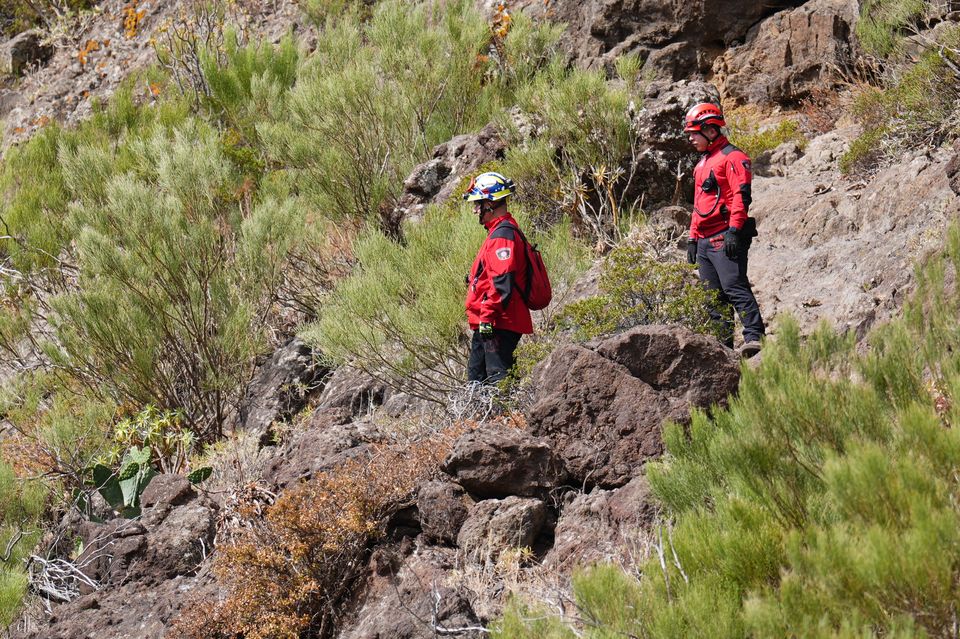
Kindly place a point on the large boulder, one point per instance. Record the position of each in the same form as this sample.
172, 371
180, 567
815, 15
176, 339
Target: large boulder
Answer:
411, 597
602, 406
136, 573
280, 387
497, 462
600, 526
436, 179
788, 55
443, 507
664, 151
496, 525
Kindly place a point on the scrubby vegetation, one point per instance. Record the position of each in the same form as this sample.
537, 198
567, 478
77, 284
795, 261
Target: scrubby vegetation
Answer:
912, 94
822, 502
290, 573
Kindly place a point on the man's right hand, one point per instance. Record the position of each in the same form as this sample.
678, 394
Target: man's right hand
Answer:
692, 251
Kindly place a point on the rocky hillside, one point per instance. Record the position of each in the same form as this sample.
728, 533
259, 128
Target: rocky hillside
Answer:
343, 503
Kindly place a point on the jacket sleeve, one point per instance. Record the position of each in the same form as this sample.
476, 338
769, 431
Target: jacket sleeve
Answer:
739, 178
501, 260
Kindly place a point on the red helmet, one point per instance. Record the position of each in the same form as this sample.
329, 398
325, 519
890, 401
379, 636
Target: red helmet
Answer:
704, 113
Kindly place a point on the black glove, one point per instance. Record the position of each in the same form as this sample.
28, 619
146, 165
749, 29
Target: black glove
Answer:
692, 251
731, 243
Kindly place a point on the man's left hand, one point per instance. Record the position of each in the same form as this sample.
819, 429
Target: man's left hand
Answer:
731, 243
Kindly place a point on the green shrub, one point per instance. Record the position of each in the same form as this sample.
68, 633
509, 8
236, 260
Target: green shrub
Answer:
35, 187
175, 275
823, 500
577, 164
248, 84
882, 23
22, 504
606, 600
376, 97
754, 142
916, 107
637, 289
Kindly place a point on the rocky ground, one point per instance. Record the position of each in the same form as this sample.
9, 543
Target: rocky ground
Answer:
570, 484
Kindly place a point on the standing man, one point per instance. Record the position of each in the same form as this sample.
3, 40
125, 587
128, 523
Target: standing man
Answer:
495, 307
720, 230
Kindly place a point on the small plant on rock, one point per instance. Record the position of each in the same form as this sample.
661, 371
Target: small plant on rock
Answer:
637, 289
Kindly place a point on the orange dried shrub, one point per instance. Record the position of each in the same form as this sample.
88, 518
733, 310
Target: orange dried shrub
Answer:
289, 574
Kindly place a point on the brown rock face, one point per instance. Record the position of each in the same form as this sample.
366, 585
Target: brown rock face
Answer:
602, 406
595, 526
502, 461
496, 525
693, 32
437, 179
788, 54
280, 386
443, 507
411, 598
663, 146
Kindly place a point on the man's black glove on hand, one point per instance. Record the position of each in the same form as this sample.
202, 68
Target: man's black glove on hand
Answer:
486, 330
731, 243
692, 251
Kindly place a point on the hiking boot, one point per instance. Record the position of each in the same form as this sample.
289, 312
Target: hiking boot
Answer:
749, 349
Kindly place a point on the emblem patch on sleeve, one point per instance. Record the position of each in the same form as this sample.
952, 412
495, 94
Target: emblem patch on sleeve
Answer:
503, 254
746, 164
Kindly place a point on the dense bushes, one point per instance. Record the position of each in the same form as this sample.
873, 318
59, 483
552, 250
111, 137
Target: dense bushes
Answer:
376, 97
823, 501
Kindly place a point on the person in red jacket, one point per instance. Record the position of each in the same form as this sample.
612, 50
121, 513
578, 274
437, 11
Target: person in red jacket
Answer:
495, 309
720, 229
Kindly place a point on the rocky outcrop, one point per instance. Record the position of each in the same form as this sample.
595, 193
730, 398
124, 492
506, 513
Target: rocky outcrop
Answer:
280, 387
496, 525
602, 406
412, 597
436, 179
497, 462
677, 39
596, 526
844, 250
140, 571
23, 51
664, 151
443, 507
788, 55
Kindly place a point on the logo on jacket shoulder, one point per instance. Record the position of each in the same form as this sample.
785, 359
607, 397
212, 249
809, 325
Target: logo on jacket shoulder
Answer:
503, 253
746, 164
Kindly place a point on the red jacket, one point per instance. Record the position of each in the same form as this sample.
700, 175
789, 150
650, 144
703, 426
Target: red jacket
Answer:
721, 194
499, 272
